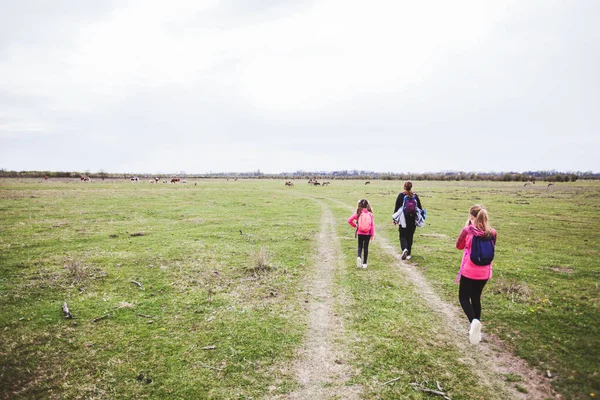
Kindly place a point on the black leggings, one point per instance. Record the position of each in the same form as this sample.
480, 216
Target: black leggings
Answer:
469, 295
406, 234
363, 243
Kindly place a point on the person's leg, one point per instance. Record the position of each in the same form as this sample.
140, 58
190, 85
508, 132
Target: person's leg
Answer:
465, 290
476, 298
403, 234
360, 245
409, 239
366, 239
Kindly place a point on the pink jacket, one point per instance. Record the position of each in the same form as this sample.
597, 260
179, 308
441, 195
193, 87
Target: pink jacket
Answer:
467, 268
354, 219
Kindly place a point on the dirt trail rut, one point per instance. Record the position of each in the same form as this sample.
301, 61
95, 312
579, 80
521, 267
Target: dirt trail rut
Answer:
490, 360
320, 367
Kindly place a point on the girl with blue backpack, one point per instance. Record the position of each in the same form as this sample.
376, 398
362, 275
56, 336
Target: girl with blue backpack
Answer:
478, 241
364, 223
411, 204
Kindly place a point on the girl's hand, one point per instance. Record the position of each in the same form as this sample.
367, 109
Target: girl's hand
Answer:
372, 238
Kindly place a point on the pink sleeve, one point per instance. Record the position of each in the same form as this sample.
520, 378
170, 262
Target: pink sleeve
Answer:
372, 232
461, 242
352, 219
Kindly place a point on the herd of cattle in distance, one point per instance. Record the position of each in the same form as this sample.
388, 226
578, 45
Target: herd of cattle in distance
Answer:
135, 179
315, 182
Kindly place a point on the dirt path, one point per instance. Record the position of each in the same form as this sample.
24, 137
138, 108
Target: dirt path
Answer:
321, 365
491, 359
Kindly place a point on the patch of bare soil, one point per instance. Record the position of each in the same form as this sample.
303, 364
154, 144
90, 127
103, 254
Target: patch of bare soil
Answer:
320, 367
491, 359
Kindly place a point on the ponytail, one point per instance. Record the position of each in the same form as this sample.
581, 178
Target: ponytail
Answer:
408, 189
481, 220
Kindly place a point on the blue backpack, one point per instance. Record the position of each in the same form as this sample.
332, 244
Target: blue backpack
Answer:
482, 250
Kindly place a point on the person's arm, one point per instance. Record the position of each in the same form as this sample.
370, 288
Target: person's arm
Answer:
418, 201
399, 201
352, 219
372, 231
462, 239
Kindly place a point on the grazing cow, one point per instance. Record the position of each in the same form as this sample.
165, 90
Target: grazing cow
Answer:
367, 183
85, 178
550, 184
156, 179
175, 180
325, 183
46, 177
315, 183
135, 179
289, 183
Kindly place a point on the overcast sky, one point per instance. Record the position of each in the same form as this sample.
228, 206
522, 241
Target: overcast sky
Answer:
287, 85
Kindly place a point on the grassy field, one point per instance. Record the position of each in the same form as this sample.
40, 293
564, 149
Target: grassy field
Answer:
221, 311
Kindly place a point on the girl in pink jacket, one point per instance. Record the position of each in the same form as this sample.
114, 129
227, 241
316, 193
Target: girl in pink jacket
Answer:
364, 223
473, 277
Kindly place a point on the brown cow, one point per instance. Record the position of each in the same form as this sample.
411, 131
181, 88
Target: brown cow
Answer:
175, 180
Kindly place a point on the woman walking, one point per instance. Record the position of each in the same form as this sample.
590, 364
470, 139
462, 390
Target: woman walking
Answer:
477, 240
411, 203
364, 223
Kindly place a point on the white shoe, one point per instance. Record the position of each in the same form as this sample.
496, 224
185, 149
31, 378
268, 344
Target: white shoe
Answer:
358, 262
404, 254
365, 266
475, 332
408, 257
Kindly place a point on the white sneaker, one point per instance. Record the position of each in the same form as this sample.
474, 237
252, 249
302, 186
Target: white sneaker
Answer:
358, 262
365, 266
408, 257
475, 332
404, 254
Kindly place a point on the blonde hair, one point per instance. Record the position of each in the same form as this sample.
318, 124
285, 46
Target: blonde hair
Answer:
480, 214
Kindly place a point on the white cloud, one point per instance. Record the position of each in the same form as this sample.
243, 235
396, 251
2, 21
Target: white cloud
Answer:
204, 85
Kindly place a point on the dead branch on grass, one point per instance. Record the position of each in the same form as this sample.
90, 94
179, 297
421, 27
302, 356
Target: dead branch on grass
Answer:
138, 284
66, 311
440, 392
392, 380
144, 315
100, 318
211, 367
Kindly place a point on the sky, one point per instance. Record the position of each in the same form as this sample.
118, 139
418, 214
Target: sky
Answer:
201, 86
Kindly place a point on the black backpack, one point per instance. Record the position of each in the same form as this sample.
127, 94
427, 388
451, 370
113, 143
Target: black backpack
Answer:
482, 250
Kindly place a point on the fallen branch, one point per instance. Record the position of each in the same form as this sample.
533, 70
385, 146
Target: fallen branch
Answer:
416, 386
209, 347
65, 310
144, 315
99, 318
393, 380
138, 284
211, 367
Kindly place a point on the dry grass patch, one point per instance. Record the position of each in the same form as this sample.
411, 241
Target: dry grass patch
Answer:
512, 289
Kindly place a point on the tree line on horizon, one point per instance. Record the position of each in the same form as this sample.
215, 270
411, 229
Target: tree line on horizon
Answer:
527, 176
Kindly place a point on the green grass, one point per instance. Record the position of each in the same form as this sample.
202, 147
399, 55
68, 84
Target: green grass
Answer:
221, 264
